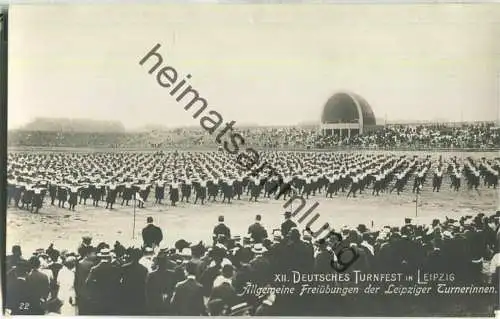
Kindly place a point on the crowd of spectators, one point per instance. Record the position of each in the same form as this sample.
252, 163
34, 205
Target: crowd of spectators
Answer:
192, 279
395, 136
467, 136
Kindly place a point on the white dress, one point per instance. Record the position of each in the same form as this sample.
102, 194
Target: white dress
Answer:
66, 278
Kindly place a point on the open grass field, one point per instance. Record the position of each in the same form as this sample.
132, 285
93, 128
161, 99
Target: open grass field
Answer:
195, 222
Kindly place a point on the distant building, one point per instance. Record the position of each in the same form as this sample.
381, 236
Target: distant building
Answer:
347, 114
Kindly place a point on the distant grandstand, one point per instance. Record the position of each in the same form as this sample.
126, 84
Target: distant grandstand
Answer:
66, 133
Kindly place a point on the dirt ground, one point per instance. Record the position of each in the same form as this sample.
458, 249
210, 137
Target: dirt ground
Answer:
192, 222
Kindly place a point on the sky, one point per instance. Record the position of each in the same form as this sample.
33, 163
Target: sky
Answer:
260, 64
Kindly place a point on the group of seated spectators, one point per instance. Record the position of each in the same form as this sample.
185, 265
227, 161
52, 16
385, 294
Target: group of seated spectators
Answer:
193, 279
467, 136
394, 136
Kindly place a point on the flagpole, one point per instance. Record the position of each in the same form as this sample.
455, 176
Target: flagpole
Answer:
133, 228
416, 203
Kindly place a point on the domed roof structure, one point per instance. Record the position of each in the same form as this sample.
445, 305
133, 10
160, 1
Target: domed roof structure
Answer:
347, 107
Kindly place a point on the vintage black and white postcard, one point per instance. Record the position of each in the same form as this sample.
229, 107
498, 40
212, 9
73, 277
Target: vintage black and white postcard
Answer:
262, 160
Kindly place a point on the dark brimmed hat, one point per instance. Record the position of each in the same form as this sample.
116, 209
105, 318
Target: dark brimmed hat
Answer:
182, 244
218, 252
362, 228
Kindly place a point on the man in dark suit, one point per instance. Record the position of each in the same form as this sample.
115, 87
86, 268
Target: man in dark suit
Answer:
85, 246
222, 229
188, 295
160, 286
323, 259
260, 265
287, 224
223, 288
197, 252
298, 253
151, 234
133, 286
12, 260
257, 232
82, 271
19, 298
38, 284
212, 269
103, 283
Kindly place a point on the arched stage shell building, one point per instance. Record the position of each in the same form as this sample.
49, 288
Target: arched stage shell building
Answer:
347, 114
